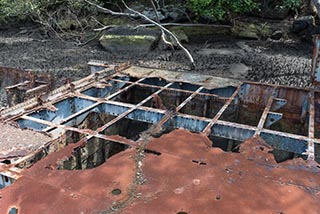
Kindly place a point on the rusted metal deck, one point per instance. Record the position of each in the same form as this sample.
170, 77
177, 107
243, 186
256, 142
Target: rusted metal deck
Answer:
223, 109
227, 111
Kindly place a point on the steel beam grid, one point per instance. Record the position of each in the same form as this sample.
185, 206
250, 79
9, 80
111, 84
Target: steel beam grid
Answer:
299, 144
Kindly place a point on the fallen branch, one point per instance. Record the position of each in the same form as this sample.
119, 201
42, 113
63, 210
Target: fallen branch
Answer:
187, 25
90, 40
105, 10
163, 35
165, 30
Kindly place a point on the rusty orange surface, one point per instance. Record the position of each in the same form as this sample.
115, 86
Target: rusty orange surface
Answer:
183, 175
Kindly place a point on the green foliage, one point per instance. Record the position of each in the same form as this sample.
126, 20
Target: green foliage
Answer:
31, 9
19, 10
224, 9
292, 4
15, 8
221, 9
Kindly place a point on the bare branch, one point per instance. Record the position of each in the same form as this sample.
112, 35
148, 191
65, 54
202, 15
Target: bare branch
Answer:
165, 30
90, 40
97, 21
104, 28
105, 10
163, 35
187, 25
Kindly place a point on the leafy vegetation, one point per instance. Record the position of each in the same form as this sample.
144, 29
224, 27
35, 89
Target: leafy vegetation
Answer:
292, 4
226, 9
19, 10
31, 9
221, 9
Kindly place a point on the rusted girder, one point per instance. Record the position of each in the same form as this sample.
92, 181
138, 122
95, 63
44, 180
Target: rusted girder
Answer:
22, 85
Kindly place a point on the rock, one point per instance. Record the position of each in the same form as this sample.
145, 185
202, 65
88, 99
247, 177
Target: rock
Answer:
127, 39
238, 70
276, 35
147, 11
264, 31
245, 30
181, 35
248, 35
305, 28
176, 13
303, 23
251, 31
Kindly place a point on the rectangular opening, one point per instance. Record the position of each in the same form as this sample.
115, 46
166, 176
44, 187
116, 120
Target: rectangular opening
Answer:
295, 113
95, 152
155, 81
221, 92
225, 144
134, 124
97, 92
105, 89
203, 106
65, 108
5, 181
243, 113
130, 129
167, 99
184, 86
135, 94
125, 78
248, 106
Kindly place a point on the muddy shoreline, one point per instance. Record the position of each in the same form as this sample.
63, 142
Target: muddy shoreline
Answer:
276, 62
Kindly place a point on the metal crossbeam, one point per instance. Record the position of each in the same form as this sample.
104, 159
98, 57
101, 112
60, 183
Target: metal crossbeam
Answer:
161, 117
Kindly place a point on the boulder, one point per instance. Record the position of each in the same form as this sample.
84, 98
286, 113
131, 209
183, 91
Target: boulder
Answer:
147, 11
303, 23
251, 31
127, 39
305, 28
248, 34
176, 13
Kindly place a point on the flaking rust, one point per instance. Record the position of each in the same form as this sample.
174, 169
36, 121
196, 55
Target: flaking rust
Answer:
173, 181
113, 123
22, 85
